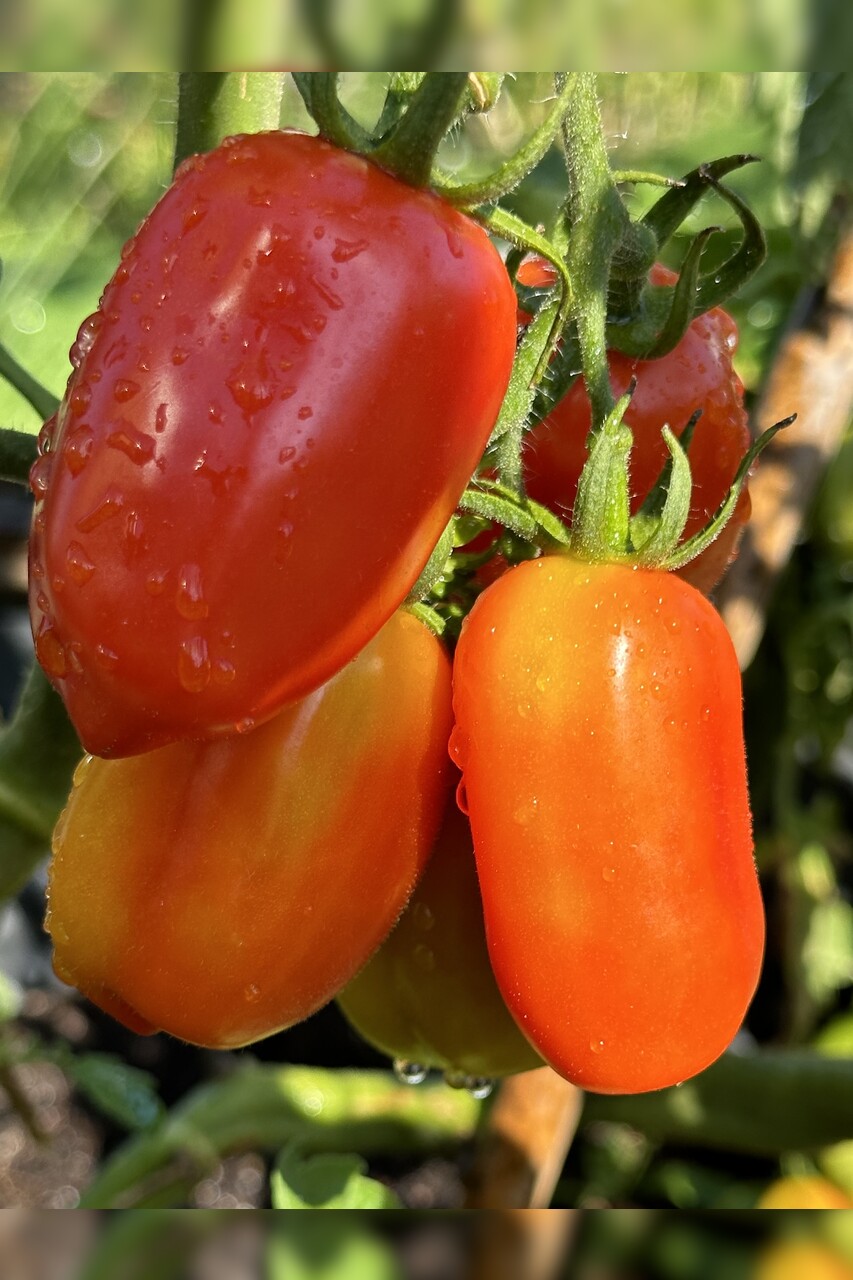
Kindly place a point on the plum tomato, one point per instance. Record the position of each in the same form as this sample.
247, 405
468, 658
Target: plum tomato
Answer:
289, 380
598, 727
224, 890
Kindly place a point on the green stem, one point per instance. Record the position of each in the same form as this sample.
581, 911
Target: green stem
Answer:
214, 104
264, 1107
17, 455
509, 175
410, 149
43, 401
597, 222
764, 1103
319, 90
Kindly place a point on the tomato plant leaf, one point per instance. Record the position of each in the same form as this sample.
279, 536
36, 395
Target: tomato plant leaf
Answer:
326, 1181
125, 1094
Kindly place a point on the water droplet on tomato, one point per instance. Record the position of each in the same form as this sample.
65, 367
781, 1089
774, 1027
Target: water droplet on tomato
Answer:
461, 795
189, 597
608, 874
409, 1072
480, 1087
706, 713
246, 725
125, 389
155, 583
40, 473
180, 355
223, 672
346, 250
51, 651
305, 412
84, 341
423, 917
454, 242
82, 769
80, 567
109, 507
79, 443
80, 399
252, 993
133, 444
286, 454
106, 658
194, 665
193, 217
597, 1046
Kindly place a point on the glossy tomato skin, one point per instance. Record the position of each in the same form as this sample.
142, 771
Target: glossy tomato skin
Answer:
598, 726
697, 374
224, 890
428, 995
288, 383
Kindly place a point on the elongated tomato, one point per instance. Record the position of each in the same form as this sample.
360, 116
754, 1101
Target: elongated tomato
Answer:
223, 890
289, 381
598, 712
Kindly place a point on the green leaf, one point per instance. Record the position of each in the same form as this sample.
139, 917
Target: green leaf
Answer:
326, 1181
125, 1094
338, 1248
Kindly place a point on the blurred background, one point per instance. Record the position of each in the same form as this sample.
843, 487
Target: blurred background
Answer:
83, 156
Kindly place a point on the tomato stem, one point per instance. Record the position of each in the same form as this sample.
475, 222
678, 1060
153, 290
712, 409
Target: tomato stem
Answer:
508, 175
214, 104
409, 150
319, 90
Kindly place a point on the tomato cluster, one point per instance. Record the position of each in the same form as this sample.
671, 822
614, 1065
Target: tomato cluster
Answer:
289, 381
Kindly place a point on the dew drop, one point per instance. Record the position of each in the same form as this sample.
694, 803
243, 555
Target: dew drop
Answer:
461, 792
223, 672
106, 658
706, 713
51, 651
252, 993
286, 454
346, 250
480, 1087
305, 412
79, 443
409, 1072
132, 443
155, 583
40, 473
596, 1046
189, 597
246, 725
161, 418
608, 874
109, 507
82, 769
180, 355
193, 217
80, 567
125, 390
80, 399
194, 665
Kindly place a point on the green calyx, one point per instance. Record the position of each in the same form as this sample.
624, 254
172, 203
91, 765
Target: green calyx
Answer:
419, 111
603, 528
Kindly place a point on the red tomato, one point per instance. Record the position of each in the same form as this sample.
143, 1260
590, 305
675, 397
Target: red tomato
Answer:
428, 996
696, 374
289, 381
223, 890
598, 726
